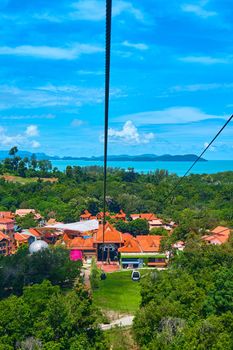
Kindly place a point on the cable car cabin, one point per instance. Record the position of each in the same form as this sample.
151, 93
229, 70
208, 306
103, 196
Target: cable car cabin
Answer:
135, 276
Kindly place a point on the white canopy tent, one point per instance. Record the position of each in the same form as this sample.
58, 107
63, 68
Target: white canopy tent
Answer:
81, 226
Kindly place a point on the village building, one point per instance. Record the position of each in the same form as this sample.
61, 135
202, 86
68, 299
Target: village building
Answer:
153, 221
7, 225
7, 215
120, 216
20, 239
23, 212
5, 247
180, 245
100, 216
84, 245
142, 250
219, 235
87, 216
107, 243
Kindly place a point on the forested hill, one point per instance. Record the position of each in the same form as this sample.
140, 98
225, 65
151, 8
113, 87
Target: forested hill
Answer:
122, 158
200, 201
144, 158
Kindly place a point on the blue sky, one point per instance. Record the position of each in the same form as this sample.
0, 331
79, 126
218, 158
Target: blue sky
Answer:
171, 76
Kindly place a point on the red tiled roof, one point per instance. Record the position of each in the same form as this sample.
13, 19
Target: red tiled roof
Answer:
111, 235
6, 221
221, 230
100, 215
149, 243
3, 236
24, 211
20, 237
35, 232
142, 244
120, 215
81, 243
6, 214
131, 246
146, 216
85, 215
126, 236
219, 235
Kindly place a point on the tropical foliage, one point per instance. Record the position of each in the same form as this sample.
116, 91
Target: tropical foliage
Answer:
23, 269
189, 306
45, 318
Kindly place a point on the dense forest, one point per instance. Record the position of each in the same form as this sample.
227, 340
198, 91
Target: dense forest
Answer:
190, 305
199, 202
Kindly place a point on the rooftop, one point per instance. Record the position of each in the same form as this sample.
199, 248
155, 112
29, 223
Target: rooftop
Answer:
111, 235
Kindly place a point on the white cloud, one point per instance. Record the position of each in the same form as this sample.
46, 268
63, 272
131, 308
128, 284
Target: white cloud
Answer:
198, 10
46, 16
25, 117
211, 148
94, 10
32, 130
201, 87
21, 139
76, 122
137, 46
129, 134
206, 59
52, 95
49, 52
35, 144
173, 115
88, 72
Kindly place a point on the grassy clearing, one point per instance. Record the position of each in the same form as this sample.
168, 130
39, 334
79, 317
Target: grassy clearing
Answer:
23, 180
120, 339
118, 293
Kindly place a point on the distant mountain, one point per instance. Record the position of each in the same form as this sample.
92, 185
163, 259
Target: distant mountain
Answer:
22, 154
112, 158
142, 158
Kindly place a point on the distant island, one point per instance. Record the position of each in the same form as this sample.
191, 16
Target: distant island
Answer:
112, 158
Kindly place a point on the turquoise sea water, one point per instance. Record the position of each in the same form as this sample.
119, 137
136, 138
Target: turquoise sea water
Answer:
179, 168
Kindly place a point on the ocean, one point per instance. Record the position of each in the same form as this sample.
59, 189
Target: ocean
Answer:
179, 168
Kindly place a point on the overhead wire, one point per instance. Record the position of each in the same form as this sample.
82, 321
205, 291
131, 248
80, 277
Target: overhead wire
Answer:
172, 191
106, 105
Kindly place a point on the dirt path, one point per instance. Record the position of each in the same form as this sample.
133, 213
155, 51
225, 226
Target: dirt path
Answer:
121, 322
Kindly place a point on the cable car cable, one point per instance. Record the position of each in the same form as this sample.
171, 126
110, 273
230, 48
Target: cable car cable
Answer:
106, 104
199, 157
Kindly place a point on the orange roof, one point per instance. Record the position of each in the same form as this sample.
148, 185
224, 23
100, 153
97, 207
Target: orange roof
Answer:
126, 236
111, 235
35, 232
85, 215
120, 215
24, 211
6, 214
6, 221
3, 236
81, 243
51, 221
66, 238
221, 230
131, 246
100, 215
20, 237
146, 216
141, 244
149, 243
219, 235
